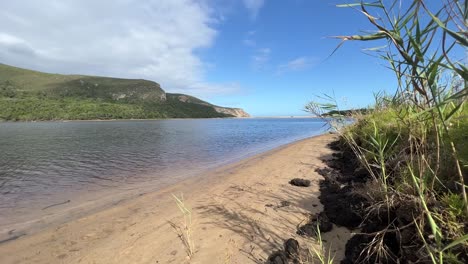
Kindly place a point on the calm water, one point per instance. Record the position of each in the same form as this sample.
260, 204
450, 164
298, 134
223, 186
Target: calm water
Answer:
48, 163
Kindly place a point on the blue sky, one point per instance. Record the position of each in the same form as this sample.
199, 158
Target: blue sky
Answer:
280, 58
269, 57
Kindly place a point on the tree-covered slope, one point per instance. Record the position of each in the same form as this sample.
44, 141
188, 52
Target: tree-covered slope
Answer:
32, 95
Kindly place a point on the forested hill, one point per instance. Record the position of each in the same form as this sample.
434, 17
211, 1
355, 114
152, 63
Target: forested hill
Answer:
31, 95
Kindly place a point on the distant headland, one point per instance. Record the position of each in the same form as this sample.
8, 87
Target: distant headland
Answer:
27, 95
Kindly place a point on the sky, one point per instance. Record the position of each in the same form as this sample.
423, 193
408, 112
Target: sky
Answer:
268, 57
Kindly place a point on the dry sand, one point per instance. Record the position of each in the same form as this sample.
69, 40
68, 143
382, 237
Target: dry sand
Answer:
236, 212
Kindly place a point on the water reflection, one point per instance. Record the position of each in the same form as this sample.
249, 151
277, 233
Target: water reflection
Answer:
47, 162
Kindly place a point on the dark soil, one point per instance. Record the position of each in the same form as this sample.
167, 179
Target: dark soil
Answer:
310, 229
342, 205
300, 182
278, 257
290, 253
291, 247
386, 235
345, 207
390, 229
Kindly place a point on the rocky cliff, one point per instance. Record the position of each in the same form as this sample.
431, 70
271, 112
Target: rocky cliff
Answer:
235, 112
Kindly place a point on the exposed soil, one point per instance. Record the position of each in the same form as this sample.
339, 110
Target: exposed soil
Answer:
386, 235
310, 229
383, 235
345, 206
290, 253
383, 222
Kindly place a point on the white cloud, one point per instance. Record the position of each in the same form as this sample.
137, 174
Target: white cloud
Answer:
254, 6
249, 39
151, 39
249, 42
297, 64
261, 58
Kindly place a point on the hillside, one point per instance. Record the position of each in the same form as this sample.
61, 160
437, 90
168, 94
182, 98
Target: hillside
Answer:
237, 112
32, 95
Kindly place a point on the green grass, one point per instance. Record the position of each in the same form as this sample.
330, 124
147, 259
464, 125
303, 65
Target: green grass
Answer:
458, 131
59, 86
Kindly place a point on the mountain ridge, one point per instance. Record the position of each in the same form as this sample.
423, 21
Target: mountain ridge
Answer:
111, 98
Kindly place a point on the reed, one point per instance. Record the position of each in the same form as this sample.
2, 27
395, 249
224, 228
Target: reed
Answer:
322, 254
186, 229
414, 143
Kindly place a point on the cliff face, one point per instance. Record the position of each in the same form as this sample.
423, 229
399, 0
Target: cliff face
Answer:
236, 112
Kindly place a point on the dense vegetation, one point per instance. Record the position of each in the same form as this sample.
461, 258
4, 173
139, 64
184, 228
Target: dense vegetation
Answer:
414, 144
349, 113
26, 106
28, 95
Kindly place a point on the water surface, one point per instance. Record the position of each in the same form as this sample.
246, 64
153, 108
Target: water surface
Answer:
66, 163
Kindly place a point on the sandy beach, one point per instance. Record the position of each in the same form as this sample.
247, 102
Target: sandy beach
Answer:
241, 213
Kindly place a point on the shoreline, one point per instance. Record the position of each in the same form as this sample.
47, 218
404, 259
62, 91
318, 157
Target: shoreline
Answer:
115, 120
158, 119
231, 216
78, 206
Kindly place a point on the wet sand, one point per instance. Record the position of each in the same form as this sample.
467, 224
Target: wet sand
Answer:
237, 217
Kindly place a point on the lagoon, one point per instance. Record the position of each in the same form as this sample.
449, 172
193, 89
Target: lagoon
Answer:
50, 170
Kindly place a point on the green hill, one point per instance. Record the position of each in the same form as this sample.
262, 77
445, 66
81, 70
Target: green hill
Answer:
32, 95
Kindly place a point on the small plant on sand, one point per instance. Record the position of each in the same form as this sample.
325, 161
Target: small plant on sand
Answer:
185, 232
322, 254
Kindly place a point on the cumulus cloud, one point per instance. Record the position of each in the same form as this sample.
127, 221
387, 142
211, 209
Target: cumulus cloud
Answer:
151, 39
297, 64
254, 6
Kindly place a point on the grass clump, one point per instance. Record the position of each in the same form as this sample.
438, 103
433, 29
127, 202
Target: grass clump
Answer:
185, 229
321, 254
414, 143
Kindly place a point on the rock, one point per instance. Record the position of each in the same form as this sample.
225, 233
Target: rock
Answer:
237, 112
324, 223
310, 229
291, 247
300, 182
278, 257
